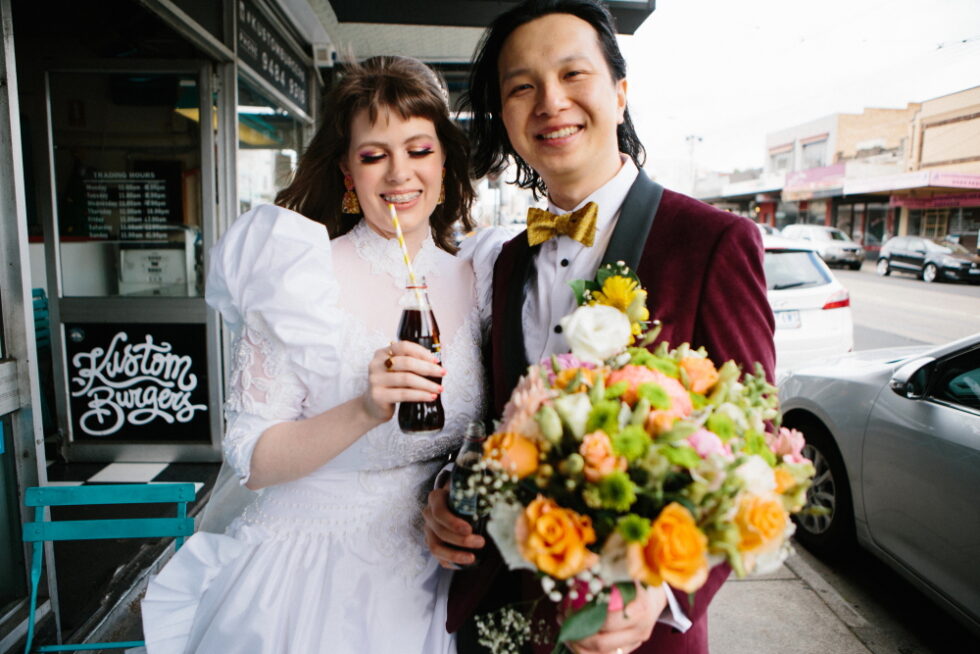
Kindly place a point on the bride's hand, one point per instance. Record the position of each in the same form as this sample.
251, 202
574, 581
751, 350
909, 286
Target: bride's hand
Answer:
398, 373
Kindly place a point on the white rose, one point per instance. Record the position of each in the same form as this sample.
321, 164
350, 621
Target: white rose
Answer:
596, 333
758, 476
503, 518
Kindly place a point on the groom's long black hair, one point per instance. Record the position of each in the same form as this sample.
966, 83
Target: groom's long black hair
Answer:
491, 147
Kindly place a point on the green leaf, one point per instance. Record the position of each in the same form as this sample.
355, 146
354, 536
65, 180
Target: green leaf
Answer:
583, 623
603, 274
579, 288
628, 590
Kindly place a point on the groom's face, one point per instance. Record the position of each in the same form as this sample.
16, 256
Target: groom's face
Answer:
559, 102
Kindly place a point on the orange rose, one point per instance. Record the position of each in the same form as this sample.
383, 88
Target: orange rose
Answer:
565, 377
554, 539
761, 522
784, 480
516, 454
597, 451
659, 422
701, 373
676, 552
633, 376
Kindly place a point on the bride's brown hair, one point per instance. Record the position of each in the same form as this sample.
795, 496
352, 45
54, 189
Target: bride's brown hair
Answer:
408, 88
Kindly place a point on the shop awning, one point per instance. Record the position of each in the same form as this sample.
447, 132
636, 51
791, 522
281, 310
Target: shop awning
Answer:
629, 14
918, 183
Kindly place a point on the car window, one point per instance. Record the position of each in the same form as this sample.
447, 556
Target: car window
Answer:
932, 246
837, 235
958, 380
793, 269
916, 244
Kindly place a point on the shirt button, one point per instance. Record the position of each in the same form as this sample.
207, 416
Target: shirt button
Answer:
564, 263
557, 329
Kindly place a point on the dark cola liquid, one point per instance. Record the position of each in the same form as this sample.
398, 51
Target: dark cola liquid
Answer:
413, 417
463, 502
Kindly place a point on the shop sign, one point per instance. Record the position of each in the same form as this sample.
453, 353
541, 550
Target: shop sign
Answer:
823, 182
270, 55
137, 382
937, 201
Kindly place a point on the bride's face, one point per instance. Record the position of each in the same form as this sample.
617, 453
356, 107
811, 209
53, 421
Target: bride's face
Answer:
398, 161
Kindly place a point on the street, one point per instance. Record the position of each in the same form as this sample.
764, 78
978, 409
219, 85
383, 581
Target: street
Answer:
893, 311
902, 310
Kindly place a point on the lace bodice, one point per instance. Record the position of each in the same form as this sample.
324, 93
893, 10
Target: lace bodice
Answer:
304, 341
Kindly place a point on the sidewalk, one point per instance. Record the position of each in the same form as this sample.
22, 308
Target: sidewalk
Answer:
790, 610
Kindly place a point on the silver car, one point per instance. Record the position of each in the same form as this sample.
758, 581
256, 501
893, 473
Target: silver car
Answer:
835, 247
895, 437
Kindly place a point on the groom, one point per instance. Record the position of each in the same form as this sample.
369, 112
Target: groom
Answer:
548, 90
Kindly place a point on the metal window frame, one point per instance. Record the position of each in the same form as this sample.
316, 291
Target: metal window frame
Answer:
15, 298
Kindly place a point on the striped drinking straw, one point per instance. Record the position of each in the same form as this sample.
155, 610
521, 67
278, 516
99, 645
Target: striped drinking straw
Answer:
408, 262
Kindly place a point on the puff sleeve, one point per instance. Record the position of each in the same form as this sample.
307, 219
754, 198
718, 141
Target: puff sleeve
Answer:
271, 279
481, 250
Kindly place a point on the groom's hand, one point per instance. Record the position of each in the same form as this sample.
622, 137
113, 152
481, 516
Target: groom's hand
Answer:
446, 533
624, 631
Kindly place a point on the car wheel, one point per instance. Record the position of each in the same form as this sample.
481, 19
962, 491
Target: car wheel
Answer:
883, 268
826, 523
930, 273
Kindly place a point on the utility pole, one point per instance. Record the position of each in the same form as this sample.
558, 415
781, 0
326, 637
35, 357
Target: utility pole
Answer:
692, 141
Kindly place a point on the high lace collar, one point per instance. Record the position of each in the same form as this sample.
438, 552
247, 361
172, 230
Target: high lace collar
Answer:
385, 255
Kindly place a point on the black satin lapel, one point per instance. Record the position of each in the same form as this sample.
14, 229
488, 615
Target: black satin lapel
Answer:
635, 219
514, 356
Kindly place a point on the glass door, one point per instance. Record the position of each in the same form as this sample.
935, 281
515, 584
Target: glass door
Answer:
133, 188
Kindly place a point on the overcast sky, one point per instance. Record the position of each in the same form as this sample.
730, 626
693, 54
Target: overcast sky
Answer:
730, 71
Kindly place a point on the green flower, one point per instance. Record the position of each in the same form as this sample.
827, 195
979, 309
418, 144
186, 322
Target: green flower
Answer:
604, 416
683, 456
722, 425
655, 394
632, 442
616, 390
634, 528
755, 443
616, 491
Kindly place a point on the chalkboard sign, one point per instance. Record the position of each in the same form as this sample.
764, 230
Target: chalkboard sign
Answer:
138, 382
270, 55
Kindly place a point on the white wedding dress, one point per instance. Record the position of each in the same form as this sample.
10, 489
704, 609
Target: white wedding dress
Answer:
335, 561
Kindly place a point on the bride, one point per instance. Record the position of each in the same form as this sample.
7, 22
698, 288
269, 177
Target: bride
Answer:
328, 555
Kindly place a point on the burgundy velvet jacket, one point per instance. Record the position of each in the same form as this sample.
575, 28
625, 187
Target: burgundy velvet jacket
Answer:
703, 272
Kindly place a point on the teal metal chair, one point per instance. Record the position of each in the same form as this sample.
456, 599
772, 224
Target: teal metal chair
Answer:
42, 530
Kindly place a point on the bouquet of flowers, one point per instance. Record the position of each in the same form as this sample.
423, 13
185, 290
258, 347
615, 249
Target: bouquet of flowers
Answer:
614, 465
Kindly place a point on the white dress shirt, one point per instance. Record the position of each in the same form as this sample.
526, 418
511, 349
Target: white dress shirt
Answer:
563, 259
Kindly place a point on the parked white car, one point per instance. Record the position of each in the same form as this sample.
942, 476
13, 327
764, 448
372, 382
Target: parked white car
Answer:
812, 308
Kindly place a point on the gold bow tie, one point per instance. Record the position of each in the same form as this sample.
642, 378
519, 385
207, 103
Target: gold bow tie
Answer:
579, 225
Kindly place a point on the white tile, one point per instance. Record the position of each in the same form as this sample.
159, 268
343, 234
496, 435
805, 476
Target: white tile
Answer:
198, 485
64, 483
128, 472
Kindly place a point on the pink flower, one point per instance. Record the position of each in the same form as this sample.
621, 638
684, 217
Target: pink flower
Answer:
524, 402
788, 444
706, 443
565, 362
634, 376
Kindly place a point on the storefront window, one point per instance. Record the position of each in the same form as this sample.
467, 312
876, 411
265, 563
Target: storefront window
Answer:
787, 213
875, 234
269, 144
127, 168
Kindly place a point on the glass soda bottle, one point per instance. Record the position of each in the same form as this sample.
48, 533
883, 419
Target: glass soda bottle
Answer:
463, 498
418, 324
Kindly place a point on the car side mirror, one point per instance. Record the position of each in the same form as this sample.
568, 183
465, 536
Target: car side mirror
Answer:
911, 378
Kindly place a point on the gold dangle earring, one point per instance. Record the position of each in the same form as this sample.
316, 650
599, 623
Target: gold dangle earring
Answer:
442, 189
349, 203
